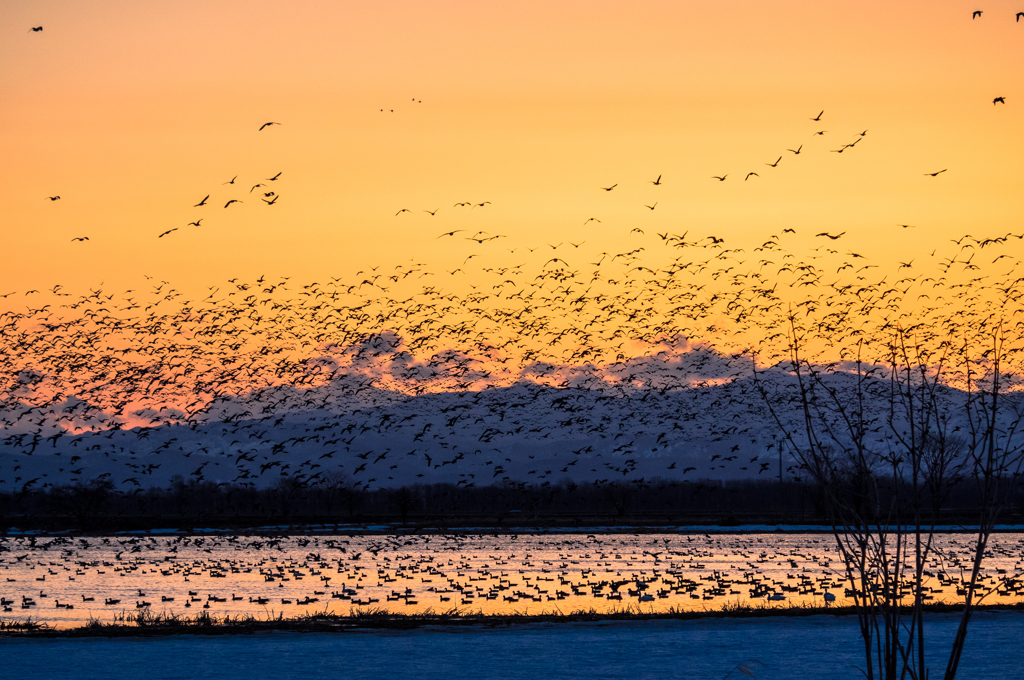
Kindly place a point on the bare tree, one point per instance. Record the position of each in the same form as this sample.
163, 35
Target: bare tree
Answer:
886, 440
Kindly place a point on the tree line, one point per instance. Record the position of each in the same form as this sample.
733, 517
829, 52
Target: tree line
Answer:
98, 505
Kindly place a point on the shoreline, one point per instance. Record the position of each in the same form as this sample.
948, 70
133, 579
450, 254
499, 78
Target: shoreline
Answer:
386, 528
148, 624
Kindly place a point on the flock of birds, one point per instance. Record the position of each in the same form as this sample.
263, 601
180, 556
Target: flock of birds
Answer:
58, 580
638, 364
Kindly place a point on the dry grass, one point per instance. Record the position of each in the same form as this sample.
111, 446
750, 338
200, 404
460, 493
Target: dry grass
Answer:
144, 622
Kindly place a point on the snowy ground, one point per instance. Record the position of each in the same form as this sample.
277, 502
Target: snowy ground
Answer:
810, 647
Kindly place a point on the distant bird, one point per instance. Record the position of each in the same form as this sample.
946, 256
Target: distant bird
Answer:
232, 181
270, 202
167, 232
821, 133
256, 186
655, 182
720, 179
196, 223
772, 165
652, 207
54, 198
592, 219
202, 202
233, 200
609, 188
266, 125
432, 212
451, 233
999, 100
39, 28
797, 149
1020, 15
818, 117
977, 13
906, 226
80, 238
749, 174
274, 178
480, 205
936, 174
402, 211
837, 236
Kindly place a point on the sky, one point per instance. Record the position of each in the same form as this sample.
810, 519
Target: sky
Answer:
214, 204
133, 112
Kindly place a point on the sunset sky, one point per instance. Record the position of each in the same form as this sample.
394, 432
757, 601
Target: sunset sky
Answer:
133, 112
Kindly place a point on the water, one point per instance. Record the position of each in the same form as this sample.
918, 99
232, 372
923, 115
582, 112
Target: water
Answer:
773, 647
525, 574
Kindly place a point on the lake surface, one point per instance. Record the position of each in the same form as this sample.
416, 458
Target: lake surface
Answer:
67, 581
772, 647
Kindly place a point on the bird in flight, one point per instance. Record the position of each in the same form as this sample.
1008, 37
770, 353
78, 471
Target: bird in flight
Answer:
999, 100
749, 175
480, 205
652, 207
1020, 15
232, 181
202, 202
80, 238
36, 29
196, 223
936, 174
270, 202
431, 212
256, 186
906, 226
451, 233
167, 232
797, 150
821, 132
655, 182
609, 188
266, 125
592, 219
402, 211
274, 178
975, 14
233, 200
772, 165
720, 179
818, 117
54, 198
830, 235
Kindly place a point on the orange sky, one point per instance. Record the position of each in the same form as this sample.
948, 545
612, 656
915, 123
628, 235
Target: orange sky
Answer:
133, 112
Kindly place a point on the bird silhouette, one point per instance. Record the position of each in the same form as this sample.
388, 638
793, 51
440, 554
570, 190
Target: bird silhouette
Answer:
266, 125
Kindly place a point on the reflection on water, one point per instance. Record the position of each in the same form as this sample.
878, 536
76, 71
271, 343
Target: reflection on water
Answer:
66, 581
